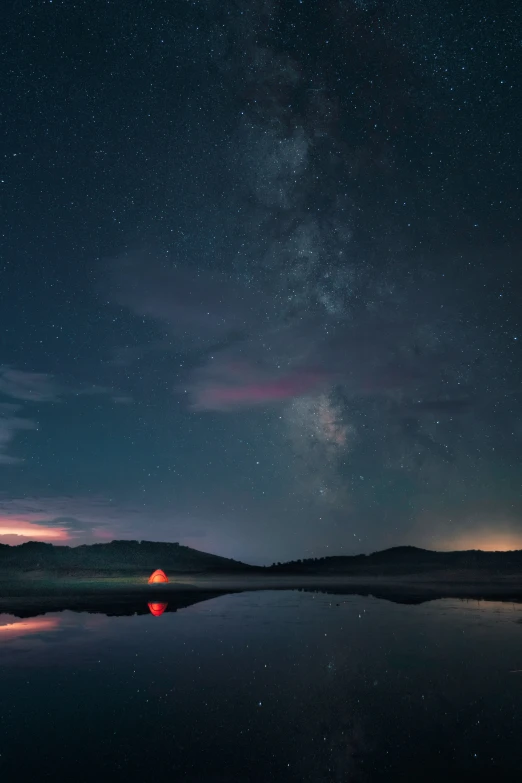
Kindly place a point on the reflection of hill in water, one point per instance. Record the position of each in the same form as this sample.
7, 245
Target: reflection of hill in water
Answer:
413, 596
110, 607
139, 604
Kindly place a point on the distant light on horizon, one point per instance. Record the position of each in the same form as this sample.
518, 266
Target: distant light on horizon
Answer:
21, 529
487, 541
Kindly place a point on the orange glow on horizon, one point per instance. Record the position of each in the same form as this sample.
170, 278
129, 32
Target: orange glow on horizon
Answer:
26, 627
487, 541
23, 529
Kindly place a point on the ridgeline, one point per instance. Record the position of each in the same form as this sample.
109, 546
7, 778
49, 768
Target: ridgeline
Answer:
117, 558
140, 558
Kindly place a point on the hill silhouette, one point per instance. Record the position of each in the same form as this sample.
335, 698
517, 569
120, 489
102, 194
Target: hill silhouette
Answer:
114, 558
402, 560
140, 558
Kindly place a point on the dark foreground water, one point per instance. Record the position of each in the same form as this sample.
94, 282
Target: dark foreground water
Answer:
267, 686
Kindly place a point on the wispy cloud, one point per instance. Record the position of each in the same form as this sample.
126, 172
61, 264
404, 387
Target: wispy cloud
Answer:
202, 307
84, 520
58, 520
244, 354
28, 386
10, 425
22, 389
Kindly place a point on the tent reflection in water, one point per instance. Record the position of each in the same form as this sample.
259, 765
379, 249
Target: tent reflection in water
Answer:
157, 609
158, 576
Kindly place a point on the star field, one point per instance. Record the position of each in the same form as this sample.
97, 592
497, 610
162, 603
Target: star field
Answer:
260, 274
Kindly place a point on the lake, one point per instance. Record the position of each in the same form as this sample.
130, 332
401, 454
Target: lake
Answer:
263, 686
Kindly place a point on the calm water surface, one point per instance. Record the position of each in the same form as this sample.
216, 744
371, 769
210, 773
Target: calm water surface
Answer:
267, 686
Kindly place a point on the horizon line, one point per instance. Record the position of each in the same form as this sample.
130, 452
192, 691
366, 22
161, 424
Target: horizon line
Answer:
282, 562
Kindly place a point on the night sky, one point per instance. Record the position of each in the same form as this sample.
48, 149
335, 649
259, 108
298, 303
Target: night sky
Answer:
261, 274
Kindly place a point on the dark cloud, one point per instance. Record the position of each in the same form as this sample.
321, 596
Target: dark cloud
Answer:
65, 520
72, 525
83, 520
196, 306
379, 348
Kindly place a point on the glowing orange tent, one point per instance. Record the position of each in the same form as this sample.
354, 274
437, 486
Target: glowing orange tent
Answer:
158, 576
157, 609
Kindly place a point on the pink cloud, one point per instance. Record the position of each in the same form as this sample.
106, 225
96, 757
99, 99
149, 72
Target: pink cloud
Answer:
85, 520
223, 396
17, 531
59, 520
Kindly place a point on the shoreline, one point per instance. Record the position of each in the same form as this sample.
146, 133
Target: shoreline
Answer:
44, 590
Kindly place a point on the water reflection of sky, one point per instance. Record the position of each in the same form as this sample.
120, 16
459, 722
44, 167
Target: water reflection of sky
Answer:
268, 686
16, 628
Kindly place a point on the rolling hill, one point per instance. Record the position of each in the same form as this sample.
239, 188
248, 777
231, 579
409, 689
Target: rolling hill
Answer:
115, 558
402, 560
140, 558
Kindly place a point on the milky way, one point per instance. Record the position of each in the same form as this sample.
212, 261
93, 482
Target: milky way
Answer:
262, 266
